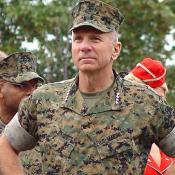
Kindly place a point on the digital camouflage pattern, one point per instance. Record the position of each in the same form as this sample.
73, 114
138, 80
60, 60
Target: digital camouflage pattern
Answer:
96, 14
111, 138
31, 161
19, 67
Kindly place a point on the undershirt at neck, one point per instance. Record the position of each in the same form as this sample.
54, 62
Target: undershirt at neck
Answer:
92, 98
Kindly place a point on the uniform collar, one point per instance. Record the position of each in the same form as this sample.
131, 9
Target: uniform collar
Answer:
112, 101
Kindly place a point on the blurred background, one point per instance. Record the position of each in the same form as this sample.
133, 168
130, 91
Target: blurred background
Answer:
42, 26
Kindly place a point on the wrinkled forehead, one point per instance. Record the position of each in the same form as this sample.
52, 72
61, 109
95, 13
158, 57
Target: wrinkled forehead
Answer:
85, 29
88, 31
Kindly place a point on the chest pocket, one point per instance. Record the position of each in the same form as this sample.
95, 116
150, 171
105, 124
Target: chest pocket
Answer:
57, 143
116, 145
66, 144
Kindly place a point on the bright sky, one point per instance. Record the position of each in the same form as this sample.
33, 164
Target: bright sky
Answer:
171, 44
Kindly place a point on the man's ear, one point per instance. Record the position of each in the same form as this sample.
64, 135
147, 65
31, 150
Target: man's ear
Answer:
116, 50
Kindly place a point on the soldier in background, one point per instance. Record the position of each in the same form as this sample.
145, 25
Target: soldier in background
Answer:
152, 73
95, 123
18, 79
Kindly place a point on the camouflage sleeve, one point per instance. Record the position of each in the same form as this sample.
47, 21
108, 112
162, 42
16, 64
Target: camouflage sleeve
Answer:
22, 131
166, 130
17, 136
27, 116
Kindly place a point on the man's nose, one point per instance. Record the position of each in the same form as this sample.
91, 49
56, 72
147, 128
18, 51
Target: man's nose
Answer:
85, 46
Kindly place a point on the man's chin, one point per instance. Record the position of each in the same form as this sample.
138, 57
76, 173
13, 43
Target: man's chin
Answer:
88, 70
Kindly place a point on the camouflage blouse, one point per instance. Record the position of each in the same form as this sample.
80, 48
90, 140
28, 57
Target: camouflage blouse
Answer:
112, 137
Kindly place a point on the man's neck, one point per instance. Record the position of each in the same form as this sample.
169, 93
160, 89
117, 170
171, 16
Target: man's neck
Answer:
96, 82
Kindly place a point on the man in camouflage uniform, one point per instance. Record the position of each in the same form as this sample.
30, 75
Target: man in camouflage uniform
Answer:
95, 123
18, 79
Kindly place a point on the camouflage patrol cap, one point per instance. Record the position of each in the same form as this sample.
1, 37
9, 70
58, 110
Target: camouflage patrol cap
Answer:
96, 14
19, 67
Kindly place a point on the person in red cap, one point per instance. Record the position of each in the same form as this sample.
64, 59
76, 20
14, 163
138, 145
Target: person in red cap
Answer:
152, 73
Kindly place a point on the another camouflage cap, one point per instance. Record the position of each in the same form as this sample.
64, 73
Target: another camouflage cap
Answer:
96, 14
19, 67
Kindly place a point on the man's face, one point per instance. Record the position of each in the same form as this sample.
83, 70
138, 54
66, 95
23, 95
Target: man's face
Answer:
93, 50
11, 94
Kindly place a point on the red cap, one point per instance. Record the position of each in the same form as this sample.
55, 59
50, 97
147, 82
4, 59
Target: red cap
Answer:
151, 72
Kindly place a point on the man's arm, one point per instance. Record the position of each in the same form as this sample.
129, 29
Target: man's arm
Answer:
9, 161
